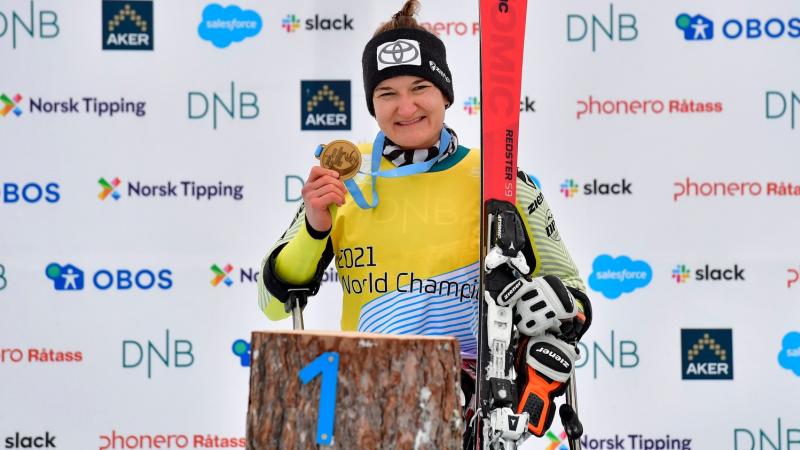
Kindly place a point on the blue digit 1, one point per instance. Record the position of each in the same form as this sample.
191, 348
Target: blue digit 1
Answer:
328, 365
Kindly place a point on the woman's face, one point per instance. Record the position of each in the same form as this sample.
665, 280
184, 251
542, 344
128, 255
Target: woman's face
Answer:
409, 111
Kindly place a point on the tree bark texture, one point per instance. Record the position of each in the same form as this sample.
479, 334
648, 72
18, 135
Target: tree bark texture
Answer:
393, 392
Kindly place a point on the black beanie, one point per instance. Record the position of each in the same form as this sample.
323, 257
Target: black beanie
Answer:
405, 51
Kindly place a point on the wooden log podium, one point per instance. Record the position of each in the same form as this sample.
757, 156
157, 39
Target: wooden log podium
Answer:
391, 392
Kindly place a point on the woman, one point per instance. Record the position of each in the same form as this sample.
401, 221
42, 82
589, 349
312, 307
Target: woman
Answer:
407, 256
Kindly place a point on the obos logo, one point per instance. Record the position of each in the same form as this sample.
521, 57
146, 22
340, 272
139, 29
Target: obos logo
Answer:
241, 349
789, 357
325, 105
292, 23
69, 277
30, 192
127, 25
701, 28
616, 276
222, 26
10, 105
707, 354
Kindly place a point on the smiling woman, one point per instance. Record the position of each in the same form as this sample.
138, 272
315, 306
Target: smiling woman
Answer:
409, 263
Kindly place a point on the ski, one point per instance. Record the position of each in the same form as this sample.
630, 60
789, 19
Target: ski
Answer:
502, 39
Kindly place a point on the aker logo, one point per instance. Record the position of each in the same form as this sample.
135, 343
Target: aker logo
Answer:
325, 105
221, 275
292, 23
20, 440
134, 354
681, 273
472, 106
789, 357
127, 25
695, 28
241, 349
616, 276
761, 440
701, 28
707, 354
68, 277
222, 26
108, 188
10, 104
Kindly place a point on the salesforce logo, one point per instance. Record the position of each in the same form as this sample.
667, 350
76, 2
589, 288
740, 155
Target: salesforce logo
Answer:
616, 276
789, 357
221, 26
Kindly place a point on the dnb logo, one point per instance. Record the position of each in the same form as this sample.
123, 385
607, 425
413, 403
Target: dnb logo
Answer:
325, 105
707, 354
10, 105
127, 25
221, 275
241, 349
695, 28
402, 52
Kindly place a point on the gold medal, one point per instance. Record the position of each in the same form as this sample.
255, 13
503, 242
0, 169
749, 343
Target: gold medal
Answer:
341, 156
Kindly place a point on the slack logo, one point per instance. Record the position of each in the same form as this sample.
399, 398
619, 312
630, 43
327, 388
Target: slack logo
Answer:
570, 188
707, 354
681, 274
19, 440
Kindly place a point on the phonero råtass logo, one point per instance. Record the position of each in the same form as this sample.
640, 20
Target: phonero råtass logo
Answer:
789, 357
221, 275
109, 188
10, 104
707, 354
127, 25
223, 26
472, 106
325, 105
616, 276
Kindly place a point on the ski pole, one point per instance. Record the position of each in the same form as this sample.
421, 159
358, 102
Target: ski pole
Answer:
297, 301
569, 415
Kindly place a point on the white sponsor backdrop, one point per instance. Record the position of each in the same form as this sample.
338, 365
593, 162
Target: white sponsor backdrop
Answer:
585, 127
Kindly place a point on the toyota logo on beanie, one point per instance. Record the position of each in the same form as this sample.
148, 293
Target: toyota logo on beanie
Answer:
405, 51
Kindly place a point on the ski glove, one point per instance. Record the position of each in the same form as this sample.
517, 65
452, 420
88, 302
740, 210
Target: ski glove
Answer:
541, 305
549, 365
